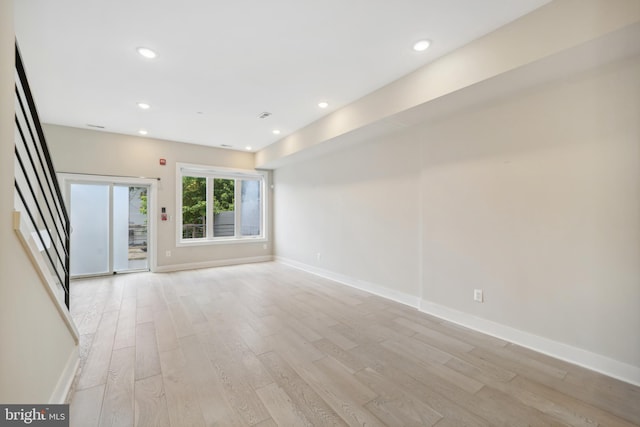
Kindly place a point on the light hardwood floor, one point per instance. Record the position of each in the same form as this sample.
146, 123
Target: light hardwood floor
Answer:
266, 345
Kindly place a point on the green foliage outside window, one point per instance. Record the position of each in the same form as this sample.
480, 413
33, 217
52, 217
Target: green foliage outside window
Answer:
194, 198
223, 195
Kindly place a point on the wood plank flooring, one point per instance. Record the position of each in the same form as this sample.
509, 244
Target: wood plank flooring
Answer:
268, 345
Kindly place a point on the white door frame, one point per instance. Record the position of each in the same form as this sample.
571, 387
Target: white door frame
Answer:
69, 178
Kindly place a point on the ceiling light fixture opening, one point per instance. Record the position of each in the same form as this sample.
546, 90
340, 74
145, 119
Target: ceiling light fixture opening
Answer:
247, 148
146, 52
276, 131
143, 132
323, 104
421, 45
144, 105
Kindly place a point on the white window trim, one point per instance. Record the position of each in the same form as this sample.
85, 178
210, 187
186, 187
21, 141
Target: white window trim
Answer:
206, 171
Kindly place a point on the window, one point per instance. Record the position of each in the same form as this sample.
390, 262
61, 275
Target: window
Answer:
219, 205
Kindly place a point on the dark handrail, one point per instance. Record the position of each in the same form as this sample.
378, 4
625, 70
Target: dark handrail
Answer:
42, 202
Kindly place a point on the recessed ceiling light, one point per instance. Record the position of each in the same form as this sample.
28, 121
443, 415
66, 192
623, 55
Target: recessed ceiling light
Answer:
144, 105
421, 45
276, 131
247, 148
146, 52
143, 132
323, 104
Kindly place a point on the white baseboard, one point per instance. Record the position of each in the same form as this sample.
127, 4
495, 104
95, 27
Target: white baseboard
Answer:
577, 356
61, 392
372, 288
209, 264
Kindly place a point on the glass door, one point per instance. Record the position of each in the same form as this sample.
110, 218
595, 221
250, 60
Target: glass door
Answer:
90, 229
130, 235
109, 228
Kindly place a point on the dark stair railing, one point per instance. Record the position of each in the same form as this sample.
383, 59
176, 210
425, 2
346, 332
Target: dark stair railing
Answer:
37, 189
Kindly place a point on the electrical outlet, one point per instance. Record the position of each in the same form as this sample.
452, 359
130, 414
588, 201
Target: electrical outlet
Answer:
168, 253
318, 256
477, 295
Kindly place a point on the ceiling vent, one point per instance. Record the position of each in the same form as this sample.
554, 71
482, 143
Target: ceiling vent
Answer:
264, 115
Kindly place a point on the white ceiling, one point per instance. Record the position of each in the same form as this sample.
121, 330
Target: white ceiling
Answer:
222, 63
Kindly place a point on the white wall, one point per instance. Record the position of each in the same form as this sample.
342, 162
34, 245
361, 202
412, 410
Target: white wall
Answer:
534, 198
358, 209
87, 151
37, 351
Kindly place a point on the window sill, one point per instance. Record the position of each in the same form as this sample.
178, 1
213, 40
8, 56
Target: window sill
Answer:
221, 241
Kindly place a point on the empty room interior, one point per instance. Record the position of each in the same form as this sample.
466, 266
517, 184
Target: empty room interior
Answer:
294, 213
